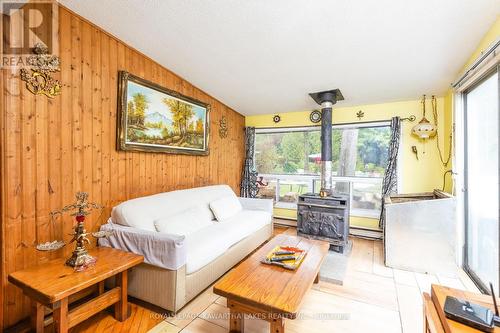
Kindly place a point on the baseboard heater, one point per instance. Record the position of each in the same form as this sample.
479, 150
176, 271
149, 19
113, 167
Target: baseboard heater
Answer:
353, 231
365, 233
285, 221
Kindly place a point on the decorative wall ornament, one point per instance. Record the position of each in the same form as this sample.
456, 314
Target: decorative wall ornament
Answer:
424, 129
276, 118
223, 127
315, 116
414, 150
360, 114
80, 259
38, 78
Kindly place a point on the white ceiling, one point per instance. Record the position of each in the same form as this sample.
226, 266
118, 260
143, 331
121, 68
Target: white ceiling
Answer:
265, 56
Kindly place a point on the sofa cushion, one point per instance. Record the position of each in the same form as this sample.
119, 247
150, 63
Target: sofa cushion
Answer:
204, 246
244, 224
142, 212
225, 207
208, 243
184, 223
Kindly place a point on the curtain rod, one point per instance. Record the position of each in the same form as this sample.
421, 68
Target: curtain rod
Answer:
410, 118
478, 62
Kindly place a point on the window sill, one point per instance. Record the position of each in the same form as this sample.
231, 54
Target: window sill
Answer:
285, 205
366, 213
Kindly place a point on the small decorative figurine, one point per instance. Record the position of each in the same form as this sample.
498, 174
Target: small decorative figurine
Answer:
80, 257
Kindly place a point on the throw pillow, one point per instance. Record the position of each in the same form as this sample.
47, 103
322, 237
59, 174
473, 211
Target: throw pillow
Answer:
225, 207
183, 223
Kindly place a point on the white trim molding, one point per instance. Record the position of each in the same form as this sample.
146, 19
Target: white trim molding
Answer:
481, 67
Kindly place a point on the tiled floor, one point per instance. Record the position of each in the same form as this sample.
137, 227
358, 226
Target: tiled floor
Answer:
374, 298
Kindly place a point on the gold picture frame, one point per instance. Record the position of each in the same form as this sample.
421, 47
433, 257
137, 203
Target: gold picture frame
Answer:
152, 118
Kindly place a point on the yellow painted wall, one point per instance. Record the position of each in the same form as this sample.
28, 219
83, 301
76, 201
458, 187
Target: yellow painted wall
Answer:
446, 138
422, 175
489, 38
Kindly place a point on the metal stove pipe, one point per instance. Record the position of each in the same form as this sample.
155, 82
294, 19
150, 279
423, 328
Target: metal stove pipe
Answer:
326, 99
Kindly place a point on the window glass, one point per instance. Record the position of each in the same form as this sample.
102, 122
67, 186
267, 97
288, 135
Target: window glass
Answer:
367, 196
288, 152
289, 164
356, 152
291, 189
482, 195
360, 152
267, 188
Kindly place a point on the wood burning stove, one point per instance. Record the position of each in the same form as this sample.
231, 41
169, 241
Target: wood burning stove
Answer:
325, 216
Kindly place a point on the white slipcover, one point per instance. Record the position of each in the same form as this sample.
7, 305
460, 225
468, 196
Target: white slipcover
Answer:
184, 223
133, 224
207, 244
142, 212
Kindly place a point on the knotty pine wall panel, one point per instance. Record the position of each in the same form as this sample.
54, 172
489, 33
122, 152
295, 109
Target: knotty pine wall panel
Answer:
52, 148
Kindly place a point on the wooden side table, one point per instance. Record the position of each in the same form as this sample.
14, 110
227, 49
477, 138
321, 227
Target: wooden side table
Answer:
51, 284
435, 320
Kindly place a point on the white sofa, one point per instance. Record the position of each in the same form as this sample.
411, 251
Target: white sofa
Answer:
178, 266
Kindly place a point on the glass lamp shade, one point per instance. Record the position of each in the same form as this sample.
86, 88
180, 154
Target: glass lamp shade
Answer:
424, 129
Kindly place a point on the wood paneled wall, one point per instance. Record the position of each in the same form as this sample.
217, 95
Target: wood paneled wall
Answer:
52, 148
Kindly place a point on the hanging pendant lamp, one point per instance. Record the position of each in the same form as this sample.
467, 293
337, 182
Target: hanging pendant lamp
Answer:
424, 129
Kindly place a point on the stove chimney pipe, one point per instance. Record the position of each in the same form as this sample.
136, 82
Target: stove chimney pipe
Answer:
326, 99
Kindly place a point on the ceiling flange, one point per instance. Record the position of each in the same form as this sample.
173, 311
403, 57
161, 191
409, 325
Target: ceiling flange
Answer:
332, 96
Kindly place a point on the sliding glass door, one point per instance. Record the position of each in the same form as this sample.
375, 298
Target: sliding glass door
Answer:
482, 181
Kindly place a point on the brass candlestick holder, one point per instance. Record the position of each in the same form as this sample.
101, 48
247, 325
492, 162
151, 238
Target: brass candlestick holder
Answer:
80, 257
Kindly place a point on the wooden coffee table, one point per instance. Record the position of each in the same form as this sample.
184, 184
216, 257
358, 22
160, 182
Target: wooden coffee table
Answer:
271, 293
51, 285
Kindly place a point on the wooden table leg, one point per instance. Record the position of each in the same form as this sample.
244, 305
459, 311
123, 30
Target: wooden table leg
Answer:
121, 307
37, 316
236, 321
61, 316
277, 325
101, 288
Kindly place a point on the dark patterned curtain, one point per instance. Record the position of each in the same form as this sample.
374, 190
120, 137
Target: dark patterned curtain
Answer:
249, 178
390, 182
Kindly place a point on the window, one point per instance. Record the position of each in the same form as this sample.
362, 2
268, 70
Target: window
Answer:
292, 152
288, 163
482, 182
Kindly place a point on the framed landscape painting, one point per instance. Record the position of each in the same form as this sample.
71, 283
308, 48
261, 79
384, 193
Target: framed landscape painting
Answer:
156, 119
